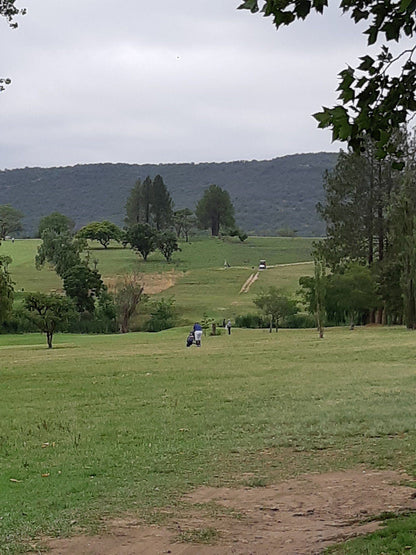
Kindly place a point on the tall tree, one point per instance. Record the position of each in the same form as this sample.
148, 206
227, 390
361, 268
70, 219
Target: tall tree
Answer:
380, 93
215, 210
134, 205
10, 220
161, 204
357, 196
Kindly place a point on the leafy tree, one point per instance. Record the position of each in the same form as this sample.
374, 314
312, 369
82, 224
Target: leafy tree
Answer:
142, 238
379, 94
147, 187
49, 313
215, 210
161, 204
56, 222
103, 232
10, 220
6, 288
83, 286
351, 293
9, 11
276, 305
167, 243
128, 294
184, 221
59, 249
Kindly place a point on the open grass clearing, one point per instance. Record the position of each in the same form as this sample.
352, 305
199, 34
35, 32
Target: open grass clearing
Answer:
100, 426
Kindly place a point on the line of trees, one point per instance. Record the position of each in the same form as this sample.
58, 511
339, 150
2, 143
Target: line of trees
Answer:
370, 248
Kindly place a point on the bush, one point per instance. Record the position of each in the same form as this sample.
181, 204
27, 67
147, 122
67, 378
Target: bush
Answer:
299, 321
251, 321
162, 316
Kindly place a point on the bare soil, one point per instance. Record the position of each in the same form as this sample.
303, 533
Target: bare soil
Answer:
152, 283
296, 517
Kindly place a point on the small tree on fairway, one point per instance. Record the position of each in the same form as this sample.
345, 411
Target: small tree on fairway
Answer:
167, 243
49, 313
276, 305
10, 220
103, 232
215, 210
142, 238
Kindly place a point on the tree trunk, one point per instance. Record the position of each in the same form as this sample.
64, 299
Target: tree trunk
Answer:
49, 336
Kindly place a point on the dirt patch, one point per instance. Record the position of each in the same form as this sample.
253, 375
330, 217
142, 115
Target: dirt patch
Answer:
298, 516
153, 283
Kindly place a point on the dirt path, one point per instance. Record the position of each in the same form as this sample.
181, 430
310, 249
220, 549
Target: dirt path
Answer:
296, 517
249, 282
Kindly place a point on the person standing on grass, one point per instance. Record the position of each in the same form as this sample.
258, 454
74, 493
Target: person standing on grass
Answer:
229, 326
197, 333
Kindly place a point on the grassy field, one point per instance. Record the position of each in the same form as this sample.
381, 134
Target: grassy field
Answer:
202, 283
107, 424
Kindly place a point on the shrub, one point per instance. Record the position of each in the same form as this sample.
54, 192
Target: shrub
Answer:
162, 316
251, 321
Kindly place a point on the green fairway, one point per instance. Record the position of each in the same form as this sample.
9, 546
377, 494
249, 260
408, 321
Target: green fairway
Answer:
106, 424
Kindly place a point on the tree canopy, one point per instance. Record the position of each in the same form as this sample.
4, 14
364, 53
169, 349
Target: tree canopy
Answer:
103, 232
56, 222
377, 96
10, 220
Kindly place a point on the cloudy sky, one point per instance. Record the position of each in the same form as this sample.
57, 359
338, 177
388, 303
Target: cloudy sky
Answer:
165, 81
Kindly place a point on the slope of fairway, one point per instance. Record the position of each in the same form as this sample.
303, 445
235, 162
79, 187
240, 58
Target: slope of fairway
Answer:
106, 424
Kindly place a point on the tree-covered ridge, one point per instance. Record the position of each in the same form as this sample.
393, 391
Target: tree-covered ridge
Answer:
267, 195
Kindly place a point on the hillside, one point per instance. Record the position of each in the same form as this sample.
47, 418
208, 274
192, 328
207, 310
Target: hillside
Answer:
267, 195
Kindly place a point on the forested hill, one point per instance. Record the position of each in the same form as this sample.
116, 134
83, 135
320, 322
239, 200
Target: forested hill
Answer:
267, 195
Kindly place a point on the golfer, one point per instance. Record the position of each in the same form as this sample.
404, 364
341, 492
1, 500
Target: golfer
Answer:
197, 333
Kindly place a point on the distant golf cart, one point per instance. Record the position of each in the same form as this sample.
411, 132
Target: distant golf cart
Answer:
262, 265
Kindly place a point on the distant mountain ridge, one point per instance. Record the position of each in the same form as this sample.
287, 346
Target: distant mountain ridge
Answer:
268, 195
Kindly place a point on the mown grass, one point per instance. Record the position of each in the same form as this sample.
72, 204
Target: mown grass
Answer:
203, 285
107, 424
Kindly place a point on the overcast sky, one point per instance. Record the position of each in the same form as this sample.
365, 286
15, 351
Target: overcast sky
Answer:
165, 81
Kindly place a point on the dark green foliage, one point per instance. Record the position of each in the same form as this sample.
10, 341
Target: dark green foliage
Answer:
142, 238
167, 243
215, 210
379, 95
103, 232
83, 286
6, 288
161, 204
10, 220
49, 313
59, 223
267, 195
252, 321
162, 316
